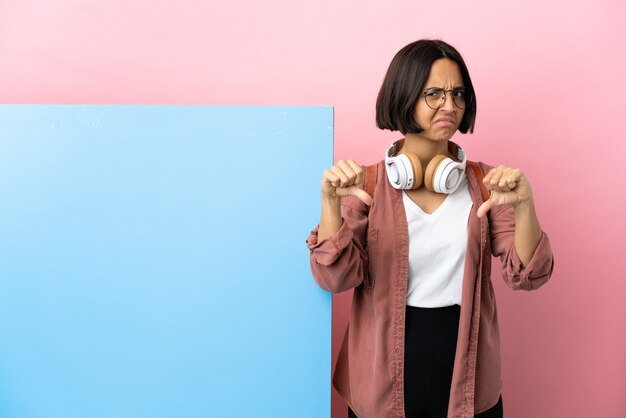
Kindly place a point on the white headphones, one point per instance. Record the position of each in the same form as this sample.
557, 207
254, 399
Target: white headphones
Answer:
443, 175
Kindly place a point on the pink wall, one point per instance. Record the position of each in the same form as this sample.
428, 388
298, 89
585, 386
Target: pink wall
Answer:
551, 91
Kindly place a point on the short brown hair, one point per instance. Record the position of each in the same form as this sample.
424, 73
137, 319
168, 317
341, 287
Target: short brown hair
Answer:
405, 79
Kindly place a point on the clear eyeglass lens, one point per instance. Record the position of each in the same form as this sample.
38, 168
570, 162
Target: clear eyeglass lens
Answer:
434, 98
459, 98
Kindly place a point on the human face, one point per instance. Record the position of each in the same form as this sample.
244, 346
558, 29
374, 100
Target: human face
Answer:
440, 124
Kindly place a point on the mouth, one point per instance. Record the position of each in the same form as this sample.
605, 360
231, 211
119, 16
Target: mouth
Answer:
445, 122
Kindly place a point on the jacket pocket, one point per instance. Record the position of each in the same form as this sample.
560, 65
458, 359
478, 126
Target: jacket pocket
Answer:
372, 256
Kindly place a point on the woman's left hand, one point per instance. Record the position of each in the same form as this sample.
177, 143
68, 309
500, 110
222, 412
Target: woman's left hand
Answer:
508, 186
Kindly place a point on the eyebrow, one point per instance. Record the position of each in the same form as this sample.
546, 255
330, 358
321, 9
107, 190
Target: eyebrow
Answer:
437, 87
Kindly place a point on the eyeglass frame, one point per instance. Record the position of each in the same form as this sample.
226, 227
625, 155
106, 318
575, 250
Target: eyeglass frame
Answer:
468, 97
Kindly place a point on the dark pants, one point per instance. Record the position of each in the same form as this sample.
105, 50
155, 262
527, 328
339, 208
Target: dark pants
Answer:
430, 346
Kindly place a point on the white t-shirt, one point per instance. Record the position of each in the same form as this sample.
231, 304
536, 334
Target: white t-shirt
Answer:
437, 246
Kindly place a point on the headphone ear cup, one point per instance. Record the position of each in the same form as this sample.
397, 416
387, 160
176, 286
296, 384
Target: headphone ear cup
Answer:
431, 170
416, 165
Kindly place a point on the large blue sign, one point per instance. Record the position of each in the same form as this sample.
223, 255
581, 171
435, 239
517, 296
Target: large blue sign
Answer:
153, 263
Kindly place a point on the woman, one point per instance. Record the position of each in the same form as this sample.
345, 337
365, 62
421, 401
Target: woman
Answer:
423, 337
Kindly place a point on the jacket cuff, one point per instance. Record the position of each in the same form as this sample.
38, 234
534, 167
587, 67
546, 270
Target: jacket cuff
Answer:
328, 250
536, 272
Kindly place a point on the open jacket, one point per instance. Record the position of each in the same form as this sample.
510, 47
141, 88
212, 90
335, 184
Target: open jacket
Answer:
370, 254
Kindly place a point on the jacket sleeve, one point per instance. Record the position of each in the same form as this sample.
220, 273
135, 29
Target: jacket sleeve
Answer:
339, 262
531, 276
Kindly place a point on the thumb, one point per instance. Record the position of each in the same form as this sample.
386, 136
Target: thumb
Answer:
362, 195
482, 210
357, 192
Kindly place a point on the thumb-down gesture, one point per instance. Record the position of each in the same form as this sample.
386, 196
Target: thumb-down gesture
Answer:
342, 180
508, 186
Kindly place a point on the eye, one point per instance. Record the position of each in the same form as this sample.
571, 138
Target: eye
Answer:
434, 93
460, 93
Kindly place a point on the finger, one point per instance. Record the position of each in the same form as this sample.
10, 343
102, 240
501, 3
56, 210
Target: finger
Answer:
513, 178
482, 210
330, 178
363, 196
357, 192
488, 177
495, 179
503, 184
357, 169
348, 171
343, 179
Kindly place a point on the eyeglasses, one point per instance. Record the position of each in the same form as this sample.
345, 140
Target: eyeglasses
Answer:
435, 97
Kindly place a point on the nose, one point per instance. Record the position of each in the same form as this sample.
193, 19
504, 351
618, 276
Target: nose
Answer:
448, 104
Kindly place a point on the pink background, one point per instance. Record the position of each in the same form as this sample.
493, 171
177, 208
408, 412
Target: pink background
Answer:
551, 95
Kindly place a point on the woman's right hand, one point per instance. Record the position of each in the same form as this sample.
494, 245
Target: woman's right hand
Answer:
341, 180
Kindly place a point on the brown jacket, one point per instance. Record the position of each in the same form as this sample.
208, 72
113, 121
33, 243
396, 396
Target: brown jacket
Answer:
370, 254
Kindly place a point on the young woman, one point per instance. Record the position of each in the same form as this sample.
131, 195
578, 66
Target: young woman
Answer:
423, 338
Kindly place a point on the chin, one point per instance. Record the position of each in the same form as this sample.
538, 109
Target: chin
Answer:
442, 138
447, 136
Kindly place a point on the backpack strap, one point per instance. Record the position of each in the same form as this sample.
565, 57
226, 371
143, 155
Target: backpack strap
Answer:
371, 175
478, 172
